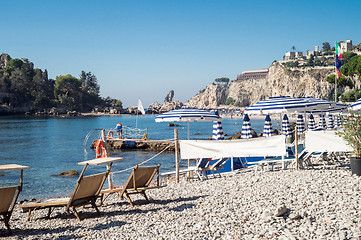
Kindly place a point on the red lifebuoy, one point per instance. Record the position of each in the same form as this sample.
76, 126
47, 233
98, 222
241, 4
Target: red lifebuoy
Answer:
110, 134
100, 150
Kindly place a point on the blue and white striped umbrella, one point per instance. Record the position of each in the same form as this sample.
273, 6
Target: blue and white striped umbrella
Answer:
300, 124
187, 115
246, 128
288, 104
356, 105
330, 124
217, 130
311, 123
286, 129
338, 122
322, 122
279, 105
267, 130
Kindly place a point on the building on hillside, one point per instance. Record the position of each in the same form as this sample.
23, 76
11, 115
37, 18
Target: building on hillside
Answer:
253, 74
289, 56
4, 58
309, 53
346, 46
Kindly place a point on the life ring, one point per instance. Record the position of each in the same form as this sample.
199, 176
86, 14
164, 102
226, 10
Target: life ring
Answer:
100, 150
110, 134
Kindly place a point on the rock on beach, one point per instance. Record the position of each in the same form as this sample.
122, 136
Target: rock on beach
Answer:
322, 203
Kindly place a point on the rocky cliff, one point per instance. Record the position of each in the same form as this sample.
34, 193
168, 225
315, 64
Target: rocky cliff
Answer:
281, 81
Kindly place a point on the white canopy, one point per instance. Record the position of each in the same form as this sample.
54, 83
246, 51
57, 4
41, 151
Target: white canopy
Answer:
325, 141
255, 147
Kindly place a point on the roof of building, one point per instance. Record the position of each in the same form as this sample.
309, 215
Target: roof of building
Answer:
256, 71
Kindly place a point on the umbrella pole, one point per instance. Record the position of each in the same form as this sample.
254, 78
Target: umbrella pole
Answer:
176, 145
296, 147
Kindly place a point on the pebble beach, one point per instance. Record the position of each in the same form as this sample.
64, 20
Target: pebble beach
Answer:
319, 203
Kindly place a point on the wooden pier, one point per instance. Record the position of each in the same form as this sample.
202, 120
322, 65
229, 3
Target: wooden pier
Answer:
139, 144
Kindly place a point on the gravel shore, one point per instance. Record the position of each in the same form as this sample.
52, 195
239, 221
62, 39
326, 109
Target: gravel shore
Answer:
322, 203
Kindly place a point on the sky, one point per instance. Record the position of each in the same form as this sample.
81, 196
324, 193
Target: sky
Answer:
143, 49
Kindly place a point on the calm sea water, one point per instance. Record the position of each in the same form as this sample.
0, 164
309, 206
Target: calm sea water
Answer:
51, 145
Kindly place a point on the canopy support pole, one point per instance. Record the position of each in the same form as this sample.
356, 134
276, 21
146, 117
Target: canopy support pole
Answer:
176, 147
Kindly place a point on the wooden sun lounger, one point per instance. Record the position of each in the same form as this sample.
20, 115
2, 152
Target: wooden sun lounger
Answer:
9, 195
86, 191
138, 182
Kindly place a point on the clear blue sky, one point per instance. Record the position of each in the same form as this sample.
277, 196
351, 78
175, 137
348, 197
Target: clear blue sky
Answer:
144, 49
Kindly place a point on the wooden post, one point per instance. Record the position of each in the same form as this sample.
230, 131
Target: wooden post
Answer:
296, 147
176, 145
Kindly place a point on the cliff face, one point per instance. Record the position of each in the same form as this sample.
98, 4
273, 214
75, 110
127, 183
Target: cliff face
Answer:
279, 82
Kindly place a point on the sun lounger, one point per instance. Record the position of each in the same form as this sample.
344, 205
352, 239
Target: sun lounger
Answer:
86, 191
139, 181
9, 195
199, 169
218, 165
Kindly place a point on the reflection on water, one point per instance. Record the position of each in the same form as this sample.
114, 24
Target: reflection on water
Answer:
53, 145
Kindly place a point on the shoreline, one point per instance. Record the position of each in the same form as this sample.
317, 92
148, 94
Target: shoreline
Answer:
320, 203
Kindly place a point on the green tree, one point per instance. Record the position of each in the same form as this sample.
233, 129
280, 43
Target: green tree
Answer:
346, 56
222, 80
326, 47
352, 67
229, 101
351, 96
341, 82
67, 90
293, 48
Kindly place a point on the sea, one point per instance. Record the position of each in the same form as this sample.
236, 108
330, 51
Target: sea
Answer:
51, 145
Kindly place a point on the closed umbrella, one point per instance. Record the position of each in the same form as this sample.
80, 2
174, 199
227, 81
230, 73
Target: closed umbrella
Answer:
267, 130
246, 128
300, 124
217, 130
311, 123
322, 122
338, 121
286, 130
187, 115
330, 124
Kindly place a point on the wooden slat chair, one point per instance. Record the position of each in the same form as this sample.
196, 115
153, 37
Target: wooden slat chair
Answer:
218, 165
138, 182
86, 191
9, 195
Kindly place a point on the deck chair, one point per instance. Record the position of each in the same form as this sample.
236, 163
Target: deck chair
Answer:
218, 165
86, 191
9, 195
139, 181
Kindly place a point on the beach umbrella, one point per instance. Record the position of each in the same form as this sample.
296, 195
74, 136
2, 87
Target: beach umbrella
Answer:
330, 122
187, 115
322, 122
278, 105
217, 130
300, 124
356, 105
311, 123
246, 128
338, 121
286, 130
267, 130
288, 104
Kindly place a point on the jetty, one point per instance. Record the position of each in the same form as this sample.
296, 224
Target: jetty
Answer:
139, 144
